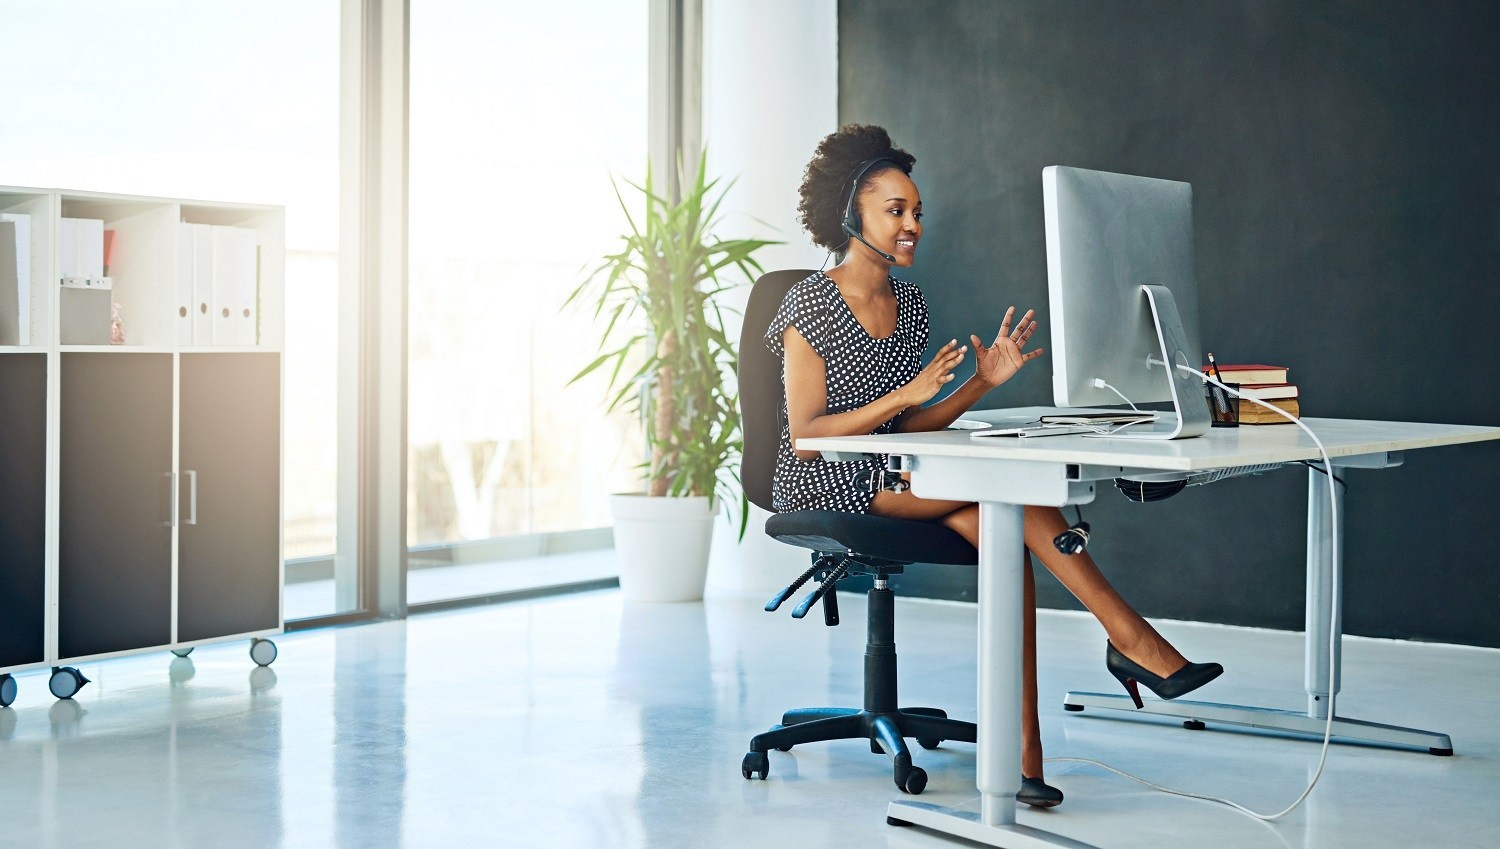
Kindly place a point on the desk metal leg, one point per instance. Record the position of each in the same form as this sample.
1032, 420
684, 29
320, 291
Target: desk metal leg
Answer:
998, 743
1325, 569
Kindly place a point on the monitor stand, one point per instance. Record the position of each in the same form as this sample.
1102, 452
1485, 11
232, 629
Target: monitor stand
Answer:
1190, 410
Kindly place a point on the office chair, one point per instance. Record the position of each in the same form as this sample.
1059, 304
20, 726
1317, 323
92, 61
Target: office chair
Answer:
843, 545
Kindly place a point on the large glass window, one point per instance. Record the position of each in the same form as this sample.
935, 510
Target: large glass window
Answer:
520, 114
234, 100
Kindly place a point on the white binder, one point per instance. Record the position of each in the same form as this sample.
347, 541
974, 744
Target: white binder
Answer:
234, 271
67, 248
184, 305
10, 288
203, 281
90, 247
22, 336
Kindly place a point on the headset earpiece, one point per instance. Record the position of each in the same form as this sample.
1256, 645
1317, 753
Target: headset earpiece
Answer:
853, 227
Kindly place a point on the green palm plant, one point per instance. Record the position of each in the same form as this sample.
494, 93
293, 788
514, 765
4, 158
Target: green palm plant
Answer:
670, 358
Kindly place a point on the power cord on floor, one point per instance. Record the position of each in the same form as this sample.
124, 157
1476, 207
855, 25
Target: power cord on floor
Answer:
1334, 601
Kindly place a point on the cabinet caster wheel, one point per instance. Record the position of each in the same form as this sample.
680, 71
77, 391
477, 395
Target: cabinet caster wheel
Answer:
1194, 725
66, 682
7, 690
263, 652
929, 743
897, 823
756, 762
914, 782
182, 652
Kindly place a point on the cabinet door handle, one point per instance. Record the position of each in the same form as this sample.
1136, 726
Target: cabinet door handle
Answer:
192, 476
171, 521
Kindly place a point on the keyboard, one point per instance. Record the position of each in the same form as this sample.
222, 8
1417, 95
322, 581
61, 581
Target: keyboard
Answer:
1033, 429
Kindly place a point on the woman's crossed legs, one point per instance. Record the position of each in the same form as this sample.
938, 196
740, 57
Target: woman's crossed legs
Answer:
1130, 634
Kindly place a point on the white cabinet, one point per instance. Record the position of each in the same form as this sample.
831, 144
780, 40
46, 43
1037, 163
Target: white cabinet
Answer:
141, 471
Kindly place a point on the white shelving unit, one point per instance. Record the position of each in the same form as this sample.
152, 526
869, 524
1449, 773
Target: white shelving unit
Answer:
143, 480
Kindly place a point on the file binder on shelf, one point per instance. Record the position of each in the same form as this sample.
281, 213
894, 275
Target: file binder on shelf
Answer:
186, 305
80, 248
203, 282
12, 318
233, 291
22, 267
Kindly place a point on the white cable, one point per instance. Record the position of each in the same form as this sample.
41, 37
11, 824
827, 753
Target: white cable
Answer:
1333, 604
1104, 384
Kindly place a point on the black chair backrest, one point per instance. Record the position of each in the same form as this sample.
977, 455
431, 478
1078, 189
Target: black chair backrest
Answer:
761, 390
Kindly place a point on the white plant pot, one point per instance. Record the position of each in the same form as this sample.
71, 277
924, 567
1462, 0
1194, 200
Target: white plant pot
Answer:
662, 545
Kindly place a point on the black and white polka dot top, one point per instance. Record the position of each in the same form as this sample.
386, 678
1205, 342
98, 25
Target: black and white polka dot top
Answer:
860, 369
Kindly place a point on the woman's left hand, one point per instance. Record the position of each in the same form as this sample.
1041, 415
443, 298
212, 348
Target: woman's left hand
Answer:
997, 363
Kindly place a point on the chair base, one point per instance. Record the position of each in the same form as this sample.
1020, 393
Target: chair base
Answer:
886, 731
880, 720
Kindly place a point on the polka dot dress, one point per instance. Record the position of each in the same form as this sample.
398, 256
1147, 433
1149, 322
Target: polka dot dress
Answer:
860, 369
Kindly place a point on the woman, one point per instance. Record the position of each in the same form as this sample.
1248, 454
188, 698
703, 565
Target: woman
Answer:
851, 342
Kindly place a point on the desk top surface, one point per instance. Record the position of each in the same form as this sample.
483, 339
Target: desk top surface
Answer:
1219, 448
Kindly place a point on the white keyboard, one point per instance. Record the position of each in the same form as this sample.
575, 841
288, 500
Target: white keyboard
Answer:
1027, 431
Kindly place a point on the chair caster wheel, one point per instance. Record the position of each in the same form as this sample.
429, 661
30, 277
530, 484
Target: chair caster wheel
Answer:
1193, 725
756, 762
182, 652
914, 782
897, 823
929, 743
8, 689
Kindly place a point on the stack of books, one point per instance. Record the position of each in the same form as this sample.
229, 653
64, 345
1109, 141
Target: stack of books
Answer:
1266, 383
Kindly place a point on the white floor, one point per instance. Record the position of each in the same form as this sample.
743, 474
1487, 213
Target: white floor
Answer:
306, 599
580, 721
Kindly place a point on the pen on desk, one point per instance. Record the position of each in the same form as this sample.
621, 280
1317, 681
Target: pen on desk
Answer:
1221, 397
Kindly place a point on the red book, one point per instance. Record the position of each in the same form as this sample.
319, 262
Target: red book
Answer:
1251, 373
1268, 391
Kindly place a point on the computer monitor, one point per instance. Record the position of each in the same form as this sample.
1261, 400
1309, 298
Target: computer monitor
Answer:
1122, 296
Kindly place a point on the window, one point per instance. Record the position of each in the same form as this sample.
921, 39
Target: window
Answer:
520, 114
226, 101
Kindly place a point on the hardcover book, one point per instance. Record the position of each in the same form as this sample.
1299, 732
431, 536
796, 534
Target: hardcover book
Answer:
1251, 373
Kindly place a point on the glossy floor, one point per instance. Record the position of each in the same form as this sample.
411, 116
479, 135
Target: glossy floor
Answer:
581, 721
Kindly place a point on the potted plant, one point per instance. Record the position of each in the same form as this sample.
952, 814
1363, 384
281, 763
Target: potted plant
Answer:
671, 362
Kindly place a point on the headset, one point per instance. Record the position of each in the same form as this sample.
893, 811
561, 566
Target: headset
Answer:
851, 224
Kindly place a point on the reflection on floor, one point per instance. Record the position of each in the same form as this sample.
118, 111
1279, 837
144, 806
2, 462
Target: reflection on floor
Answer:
581, 721
441, 583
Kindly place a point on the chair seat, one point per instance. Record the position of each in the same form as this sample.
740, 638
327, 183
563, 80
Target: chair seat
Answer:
882, 537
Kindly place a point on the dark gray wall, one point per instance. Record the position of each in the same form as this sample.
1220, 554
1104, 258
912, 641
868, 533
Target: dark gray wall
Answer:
1344, 158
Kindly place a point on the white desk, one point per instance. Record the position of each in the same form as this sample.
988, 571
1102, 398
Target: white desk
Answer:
1003, 475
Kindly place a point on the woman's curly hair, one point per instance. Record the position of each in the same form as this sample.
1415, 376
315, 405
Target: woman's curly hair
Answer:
825, 183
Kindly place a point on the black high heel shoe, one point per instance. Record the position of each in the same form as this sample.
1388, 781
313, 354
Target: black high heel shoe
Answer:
1038, 793
1181, 682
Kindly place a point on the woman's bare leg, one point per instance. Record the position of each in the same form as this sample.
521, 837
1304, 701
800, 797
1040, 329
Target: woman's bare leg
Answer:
963, 518
1131, 634
904, 505
1031, 723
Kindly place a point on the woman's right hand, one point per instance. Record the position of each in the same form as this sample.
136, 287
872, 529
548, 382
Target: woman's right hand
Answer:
932, 378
